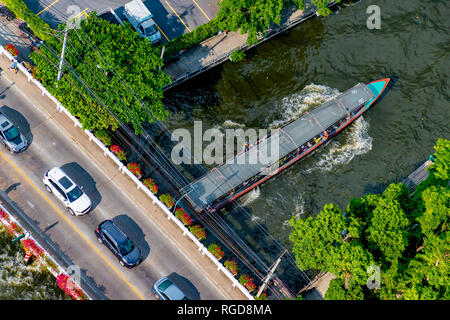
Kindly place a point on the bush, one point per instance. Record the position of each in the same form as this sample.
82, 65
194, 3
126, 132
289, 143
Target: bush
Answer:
237, 56
183, 216
133, 167
247, 282
103, 136
150, 183
216, 250
39, 27
198, 231
232, 266
193, 38
167, 200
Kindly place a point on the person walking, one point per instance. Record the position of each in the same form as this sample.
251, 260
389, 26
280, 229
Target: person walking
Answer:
14, 66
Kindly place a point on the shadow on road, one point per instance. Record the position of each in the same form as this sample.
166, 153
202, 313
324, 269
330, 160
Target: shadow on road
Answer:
84, 180
185, 285
18, 120
134, 232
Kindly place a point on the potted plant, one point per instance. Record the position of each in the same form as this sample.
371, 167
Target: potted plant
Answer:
120, 154
263, 296
149, 183
247, 282
232, 266
167, 200
11, 49
133, 167
216, 250
198, 231
183, 216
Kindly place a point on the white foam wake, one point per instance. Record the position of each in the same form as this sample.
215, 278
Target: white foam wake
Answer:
357, 142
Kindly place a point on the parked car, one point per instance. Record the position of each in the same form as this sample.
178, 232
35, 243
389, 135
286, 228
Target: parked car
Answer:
119, 243
165, 289
10, 136
141, 19
56, 181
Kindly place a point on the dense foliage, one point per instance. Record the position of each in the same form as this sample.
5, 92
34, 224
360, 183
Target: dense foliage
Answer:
121, 70
39, 27
407, 238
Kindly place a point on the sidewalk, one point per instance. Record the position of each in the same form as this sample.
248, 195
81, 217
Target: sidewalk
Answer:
216, 50
110, 169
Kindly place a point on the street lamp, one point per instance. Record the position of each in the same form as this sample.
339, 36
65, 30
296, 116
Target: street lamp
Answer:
191, 187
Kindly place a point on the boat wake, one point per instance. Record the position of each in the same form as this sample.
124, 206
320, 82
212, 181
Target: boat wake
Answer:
293, 106
357, 142
251, 196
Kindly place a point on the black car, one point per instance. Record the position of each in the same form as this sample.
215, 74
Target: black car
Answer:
118, 242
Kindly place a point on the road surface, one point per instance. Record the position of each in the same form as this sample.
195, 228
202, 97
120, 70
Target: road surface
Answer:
21, 177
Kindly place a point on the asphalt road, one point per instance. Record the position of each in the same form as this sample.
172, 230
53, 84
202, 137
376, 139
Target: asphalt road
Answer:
173, 17
21, 177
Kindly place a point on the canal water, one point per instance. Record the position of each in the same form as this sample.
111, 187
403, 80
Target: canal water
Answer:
21, 282
314, 62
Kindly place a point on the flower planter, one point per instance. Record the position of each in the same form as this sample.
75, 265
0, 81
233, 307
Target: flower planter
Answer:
232, 266
167, 200
120, 154
198, 231
134, 168
216, 250
247, 282
183, 216
149, 183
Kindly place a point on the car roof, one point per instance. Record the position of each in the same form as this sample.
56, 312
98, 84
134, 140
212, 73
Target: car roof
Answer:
58, 174
114, 231
4, 122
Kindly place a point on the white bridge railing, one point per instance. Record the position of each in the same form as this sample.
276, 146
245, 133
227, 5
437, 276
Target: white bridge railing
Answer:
124, 170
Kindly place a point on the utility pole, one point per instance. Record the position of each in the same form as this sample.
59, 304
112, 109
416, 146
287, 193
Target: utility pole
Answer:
267, 278
63, 52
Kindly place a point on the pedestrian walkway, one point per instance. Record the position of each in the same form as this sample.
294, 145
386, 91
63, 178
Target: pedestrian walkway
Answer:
216, 50
109, 167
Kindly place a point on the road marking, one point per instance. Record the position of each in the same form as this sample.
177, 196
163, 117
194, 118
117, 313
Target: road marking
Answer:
178, 17
47, 7
73, 226
161, 31
202, 10
81, 13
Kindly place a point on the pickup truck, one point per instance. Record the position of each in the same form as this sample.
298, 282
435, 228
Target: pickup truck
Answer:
141, 19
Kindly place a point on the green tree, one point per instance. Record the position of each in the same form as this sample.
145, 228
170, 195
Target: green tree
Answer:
441, 166
336, 291
121, 70
387, 230
250, 16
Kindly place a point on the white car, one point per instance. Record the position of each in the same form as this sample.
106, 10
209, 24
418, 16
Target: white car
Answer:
56, 181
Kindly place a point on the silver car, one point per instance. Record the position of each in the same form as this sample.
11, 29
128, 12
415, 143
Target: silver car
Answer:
164, 289
12, 138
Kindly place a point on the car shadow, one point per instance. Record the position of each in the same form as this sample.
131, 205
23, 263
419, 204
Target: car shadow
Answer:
134, 232
185, 285
84, 180
19, 121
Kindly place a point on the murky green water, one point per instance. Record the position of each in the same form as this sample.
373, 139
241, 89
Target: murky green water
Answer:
312, 63
21, 282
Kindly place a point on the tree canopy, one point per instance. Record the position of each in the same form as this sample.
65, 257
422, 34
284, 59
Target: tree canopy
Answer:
111, 75
407, 238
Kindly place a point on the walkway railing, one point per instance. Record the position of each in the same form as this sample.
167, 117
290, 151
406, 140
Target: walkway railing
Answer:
124, 170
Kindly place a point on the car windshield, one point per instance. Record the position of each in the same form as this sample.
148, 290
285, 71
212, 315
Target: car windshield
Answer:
150, 30
126, 247
74, 194
164, 285
12, 133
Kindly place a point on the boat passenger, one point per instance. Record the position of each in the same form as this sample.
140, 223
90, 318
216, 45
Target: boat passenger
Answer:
246, 146
324, 135
317, 139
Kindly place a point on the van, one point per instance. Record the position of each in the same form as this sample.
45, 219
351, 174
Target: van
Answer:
141, 19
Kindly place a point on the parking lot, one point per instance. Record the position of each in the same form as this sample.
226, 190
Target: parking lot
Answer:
173, 17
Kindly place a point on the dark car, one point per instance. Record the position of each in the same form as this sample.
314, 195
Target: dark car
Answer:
118, 242
12, 138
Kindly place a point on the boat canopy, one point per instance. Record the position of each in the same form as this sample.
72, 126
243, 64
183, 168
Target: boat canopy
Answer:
258, 159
